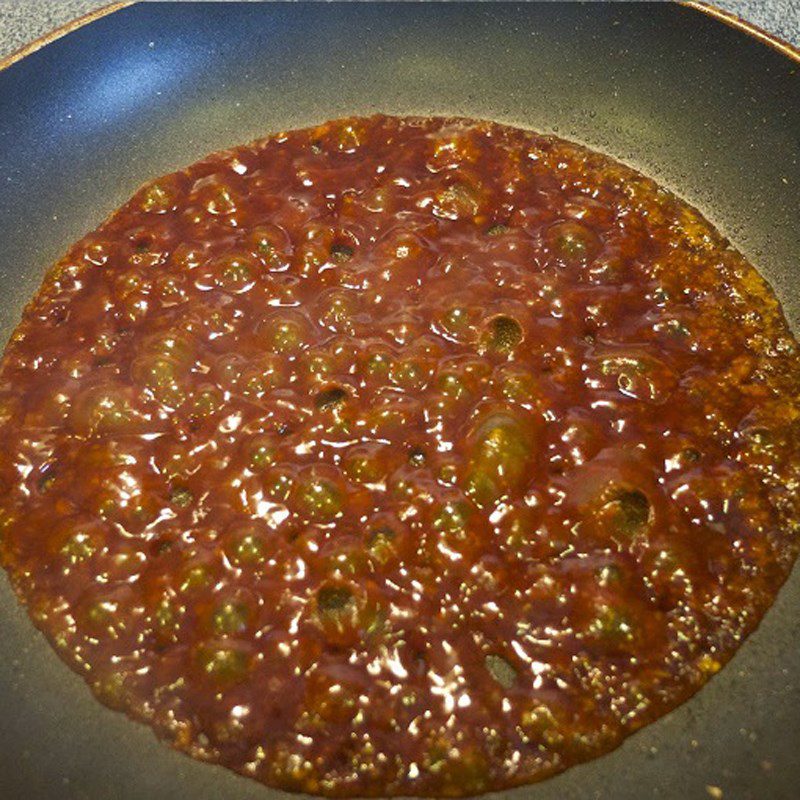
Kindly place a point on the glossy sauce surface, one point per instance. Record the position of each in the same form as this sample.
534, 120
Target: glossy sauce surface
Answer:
400, 456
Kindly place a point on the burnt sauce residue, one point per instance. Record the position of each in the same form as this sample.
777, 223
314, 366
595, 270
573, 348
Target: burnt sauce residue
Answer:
400, 456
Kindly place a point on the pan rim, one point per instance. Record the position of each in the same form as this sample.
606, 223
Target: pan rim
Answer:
733, 20
62, 30
709, 9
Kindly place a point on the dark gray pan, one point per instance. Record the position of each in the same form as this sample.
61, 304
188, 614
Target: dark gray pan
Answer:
709, 109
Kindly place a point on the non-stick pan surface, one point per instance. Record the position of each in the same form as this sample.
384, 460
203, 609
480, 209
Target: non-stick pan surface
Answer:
709, 110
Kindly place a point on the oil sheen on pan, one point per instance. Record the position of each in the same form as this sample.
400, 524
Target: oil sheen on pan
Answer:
400, 456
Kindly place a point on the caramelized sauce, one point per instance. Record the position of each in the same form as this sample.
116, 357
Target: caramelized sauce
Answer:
400, 456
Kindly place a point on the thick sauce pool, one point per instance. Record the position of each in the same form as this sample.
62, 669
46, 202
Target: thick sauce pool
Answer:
400, 456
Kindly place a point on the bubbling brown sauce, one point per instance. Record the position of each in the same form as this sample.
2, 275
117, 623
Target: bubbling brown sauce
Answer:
400, 456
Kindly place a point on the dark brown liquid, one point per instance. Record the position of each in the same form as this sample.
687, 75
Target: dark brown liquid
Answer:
400, 456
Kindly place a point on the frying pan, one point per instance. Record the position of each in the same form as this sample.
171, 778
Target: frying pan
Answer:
707, 107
